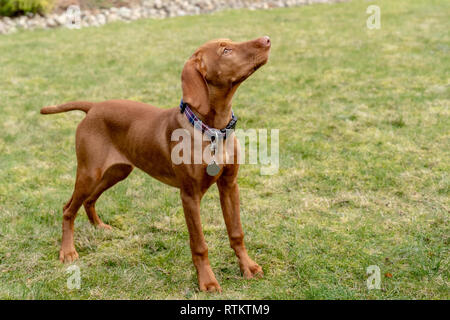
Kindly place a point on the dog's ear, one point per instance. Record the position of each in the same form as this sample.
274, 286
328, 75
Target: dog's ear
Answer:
193, 83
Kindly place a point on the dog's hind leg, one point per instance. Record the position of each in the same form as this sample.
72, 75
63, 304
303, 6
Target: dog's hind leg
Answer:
83, 188
112, 175
90, 158
100, 166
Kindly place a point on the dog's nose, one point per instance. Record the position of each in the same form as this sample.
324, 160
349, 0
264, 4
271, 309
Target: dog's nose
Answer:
265, 41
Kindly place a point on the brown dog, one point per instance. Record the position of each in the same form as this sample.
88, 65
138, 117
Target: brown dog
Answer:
118, 135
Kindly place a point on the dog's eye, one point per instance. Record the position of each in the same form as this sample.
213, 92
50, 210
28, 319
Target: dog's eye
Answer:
226, 51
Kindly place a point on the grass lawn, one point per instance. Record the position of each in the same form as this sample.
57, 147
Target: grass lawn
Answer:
364, 157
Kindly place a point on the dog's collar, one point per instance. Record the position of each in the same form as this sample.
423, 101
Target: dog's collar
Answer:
210, 132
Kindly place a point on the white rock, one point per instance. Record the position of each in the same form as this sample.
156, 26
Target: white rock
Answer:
51, 23
101, 19
61, 20
158, 4
112, 17
125, 12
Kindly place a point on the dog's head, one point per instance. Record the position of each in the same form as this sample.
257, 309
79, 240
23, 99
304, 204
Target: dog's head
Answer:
218, 67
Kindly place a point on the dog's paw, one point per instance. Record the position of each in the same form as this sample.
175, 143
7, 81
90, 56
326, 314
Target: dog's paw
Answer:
104, 226
251, 270
207, 281
68, 256
212, 286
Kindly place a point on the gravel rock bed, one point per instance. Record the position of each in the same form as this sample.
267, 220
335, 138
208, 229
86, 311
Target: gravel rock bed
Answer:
156, 9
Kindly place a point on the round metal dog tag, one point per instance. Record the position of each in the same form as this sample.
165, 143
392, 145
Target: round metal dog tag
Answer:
212, 169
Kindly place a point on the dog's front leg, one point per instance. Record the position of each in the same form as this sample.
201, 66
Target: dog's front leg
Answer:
229, 200
191, 205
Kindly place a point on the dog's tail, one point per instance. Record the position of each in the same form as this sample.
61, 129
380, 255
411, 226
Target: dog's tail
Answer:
74, 105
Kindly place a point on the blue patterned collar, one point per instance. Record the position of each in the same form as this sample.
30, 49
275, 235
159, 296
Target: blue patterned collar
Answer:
210, 132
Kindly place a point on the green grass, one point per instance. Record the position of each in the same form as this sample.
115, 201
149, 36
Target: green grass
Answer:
364, 157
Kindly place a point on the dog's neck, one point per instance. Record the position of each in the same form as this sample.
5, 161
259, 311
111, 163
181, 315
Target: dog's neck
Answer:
219, 111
